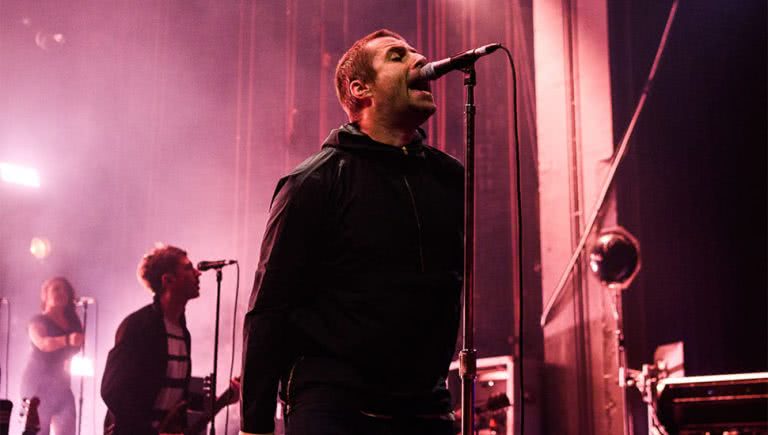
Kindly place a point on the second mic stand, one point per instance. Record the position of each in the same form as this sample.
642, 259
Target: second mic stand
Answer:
644, 380
468, 354
82, 375
215, 352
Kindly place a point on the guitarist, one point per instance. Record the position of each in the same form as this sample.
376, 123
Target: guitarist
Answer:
148, 370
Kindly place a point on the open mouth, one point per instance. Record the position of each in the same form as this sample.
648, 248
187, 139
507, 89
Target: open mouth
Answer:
420, 85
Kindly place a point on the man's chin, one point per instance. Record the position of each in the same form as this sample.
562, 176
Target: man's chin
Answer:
421, 111
421, 114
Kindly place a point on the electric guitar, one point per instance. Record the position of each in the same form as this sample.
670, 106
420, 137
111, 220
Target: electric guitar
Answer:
169, 423
29, 410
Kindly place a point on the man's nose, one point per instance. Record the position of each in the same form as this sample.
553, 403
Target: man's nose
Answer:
420, 60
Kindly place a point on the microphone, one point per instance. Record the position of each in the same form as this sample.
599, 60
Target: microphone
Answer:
435, 70
217, 264
84, 300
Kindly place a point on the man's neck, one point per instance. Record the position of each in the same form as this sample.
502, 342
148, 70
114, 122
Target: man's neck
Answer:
173, 309
382, 132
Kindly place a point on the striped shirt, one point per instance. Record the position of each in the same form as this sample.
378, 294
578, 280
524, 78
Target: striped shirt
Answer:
172, 391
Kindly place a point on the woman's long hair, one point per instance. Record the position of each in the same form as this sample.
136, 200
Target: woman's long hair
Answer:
69, 310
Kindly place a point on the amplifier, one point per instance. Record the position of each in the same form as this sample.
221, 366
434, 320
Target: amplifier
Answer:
722, 403
5, 415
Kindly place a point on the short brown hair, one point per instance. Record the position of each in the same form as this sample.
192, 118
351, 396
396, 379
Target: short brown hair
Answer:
156, 263
356, 64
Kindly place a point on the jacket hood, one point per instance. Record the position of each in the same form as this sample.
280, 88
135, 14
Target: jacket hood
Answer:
349, 137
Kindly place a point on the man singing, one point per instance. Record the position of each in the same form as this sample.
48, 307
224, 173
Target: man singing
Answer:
147, 374
355, 305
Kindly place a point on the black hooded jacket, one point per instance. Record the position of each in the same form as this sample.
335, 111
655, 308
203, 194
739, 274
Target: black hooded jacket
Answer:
359, 281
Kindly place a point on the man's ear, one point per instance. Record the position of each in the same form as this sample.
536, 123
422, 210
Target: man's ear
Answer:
359, 90
167, 279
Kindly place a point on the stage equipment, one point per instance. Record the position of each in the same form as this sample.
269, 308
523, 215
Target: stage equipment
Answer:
49, 41
733, 404
468, 353
7, 303
6, 406
465, 62
81, 366
618, 156
668, 362
435, 70
195, 408
40, 247
216, 265
16, 174
615, 260
495, 388
84, 302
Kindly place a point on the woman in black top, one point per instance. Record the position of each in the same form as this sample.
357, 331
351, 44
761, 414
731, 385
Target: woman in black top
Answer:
56, 336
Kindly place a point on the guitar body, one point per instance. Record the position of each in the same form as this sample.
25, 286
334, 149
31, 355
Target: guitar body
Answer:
170, 423
174, 421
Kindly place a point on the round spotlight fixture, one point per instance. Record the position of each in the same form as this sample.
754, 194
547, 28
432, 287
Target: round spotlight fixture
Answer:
615, 258
40, 248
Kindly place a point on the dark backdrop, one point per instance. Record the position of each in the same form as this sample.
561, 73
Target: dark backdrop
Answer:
693, 189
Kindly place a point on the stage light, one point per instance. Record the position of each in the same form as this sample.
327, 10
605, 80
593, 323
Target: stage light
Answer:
16, 174
81, 366
40, 248
49, 41
615, 258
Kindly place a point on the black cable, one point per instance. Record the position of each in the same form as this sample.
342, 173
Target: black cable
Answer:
234, 329
519, 199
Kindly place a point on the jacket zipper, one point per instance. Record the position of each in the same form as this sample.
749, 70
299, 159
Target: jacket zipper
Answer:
288, 403
418, 221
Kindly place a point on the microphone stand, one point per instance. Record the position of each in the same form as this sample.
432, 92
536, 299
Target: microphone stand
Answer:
4, 301
215, 352
468, 354
82, 375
